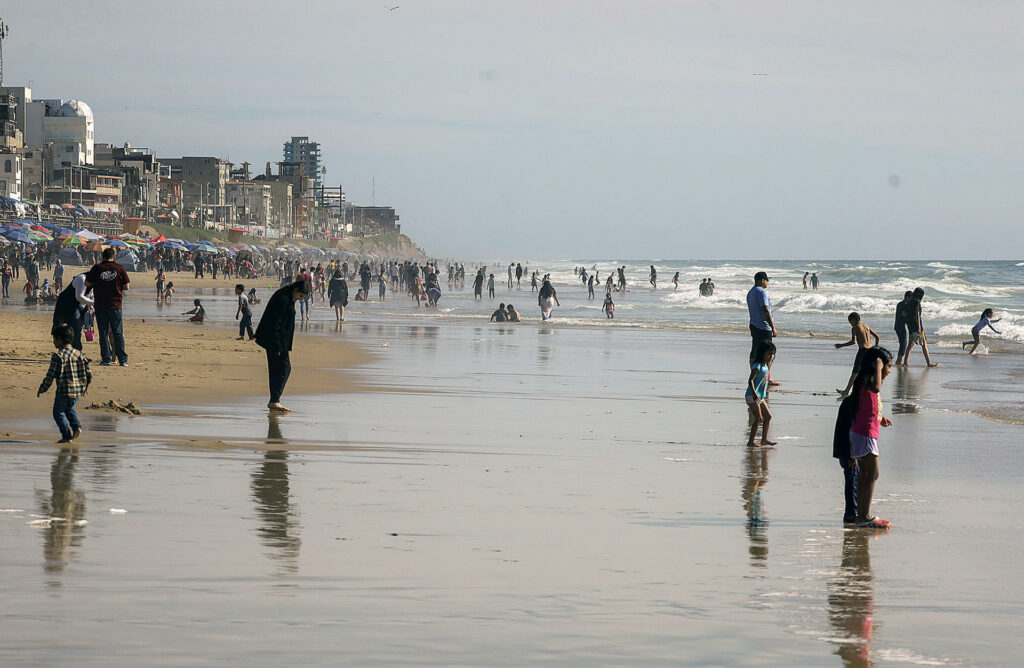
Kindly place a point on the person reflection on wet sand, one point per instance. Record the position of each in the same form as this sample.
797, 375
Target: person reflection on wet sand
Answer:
754, 479
67, 506
270, 489
851, 600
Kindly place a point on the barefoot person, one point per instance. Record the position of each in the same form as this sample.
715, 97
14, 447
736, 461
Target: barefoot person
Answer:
985, 321
915, 326
274, 334
757, 393
859, 334
864, 432
69, 368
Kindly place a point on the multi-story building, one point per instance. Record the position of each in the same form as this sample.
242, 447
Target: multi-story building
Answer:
203, 185
251, 201
69, 126
92, 187
10, 174
21, 95
37, 166
363, 220
302, 150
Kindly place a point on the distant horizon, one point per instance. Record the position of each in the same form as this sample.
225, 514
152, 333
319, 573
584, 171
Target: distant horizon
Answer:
575, 126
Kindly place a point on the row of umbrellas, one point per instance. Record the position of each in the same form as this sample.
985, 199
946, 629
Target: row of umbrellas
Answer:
30, 232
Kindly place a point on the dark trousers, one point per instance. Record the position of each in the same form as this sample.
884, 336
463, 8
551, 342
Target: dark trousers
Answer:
279, 367
109, 320
64, 415
901, 335
77, 320
6, 286
757, 336
245, 325
849, 490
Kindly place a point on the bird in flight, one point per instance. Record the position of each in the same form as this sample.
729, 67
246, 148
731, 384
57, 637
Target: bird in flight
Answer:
391, 9
760, 74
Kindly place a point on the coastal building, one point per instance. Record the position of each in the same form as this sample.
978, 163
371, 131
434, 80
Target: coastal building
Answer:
251, 201
69, 126
366, 220
91, 187
10, 175
302, 150
37, 166
18, 97
203, 186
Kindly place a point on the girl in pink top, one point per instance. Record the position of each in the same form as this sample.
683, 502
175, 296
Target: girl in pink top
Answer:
864, 431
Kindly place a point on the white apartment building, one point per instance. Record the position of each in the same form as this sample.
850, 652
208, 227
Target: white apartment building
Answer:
68, 125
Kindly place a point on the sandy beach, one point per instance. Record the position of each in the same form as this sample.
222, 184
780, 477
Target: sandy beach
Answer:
169, 365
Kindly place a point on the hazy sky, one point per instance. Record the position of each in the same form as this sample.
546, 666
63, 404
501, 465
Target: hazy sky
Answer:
582, 128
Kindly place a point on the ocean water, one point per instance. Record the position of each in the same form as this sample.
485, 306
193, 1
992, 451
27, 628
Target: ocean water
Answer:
956, 292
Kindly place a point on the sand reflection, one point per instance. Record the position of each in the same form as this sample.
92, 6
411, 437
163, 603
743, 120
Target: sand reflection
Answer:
851, 600
65, 506
755, 477
279, 526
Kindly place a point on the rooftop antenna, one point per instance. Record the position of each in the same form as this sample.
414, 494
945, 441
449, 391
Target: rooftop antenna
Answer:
4, 31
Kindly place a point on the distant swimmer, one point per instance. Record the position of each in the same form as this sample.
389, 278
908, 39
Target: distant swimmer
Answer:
675, 281
499, 314
590, 286
703, 289
985, 321
806, 275
859, 334
512, 313
547, 299
814, 281
622, 278
711, 287
533, 282
653, 278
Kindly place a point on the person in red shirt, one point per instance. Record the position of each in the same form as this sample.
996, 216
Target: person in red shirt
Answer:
109, 281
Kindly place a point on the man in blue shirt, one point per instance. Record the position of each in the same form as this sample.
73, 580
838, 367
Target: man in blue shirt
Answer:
762, 327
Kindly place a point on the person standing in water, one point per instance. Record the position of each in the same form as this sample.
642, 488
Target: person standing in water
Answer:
859, 334
915, 327
545, 297
653, 278
985, 321
806, 274
864, 432
274, 334
900, 326
814, 281
675, 281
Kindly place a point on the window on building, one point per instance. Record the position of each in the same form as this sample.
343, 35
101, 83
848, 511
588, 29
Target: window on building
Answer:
69, 148
7, 166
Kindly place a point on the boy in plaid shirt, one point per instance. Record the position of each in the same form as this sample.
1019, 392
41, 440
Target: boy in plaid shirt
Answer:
71, 371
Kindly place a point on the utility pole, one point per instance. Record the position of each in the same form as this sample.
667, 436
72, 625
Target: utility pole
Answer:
4, 31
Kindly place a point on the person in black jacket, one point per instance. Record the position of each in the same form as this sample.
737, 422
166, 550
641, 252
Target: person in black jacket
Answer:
274, 334
337, 294
841, 451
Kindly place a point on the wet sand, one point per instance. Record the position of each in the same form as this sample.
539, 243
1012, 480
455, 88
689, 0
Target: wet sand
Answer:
519, 495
